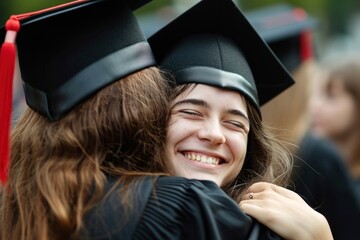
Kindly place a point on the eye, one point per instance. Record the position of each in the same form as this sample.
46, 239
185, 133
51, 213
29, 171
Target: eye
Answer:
189, 112
237, 126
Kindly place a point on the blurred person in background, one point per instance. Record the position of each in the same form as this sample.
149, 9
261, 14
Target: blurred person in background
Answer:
319, 175
336, 110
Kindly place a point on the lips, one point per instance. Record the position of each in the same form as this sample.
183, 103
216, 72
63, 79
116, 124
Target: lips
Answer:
203, 158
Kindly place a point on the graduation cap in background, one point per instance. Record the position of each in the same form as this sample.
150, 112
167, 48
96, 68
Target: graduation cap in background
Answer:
66, 54
287, 30
214, 44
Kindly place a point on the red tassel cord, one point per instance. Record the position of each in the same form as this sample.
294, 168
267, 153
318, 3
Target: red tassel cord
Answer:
306, 48
306, 45
7, 68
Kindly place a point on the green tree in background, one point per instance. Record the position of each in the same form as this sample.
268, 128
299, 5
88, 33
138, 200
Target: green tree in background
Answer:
9, 7
333, 14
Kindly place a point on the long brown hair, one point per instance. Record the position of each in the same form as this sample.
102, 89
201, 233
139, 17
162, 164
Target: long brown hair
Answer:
267, 159
58, 169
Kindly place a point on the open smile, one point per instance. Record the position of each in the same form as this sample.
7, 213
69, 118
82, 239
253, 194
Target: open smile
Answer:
202, 158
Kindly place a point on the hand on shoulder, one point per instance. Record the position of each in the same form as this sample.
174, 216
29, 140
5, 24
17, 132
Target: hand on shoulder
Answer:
284, 212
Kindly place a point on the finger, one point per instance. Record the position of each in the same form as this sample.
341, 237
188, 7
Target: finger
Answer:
270, 200
264, 186
271, 218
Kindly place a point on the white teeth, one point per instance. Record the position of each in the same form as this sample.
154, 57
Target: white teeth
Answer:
202, 158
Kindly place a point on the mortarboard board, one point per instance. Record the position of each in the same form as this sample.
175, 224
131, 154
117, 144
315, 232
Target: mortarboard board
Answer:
69, 52
287, 30
213, 43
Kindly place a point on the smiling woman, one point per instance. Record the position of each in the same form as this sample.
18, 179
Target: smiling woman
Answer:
218, 114
215, 131
207, 137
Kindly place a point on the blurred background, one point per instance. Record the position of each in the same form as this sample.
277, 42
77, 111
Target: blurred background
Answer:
338, 30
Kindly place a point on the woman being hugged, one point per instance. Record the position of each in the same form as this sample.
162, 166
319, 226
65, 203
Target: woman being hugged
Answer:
225, 72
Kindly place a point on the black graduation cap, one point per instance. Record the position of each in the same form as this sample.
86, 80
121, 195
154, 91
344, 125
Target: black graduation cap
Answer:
287, 30
68, 53
213, 43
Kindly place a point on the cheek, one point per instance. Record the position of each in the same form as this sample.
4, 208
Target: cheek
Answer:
176, 132
172, 139
238, 147
347, 117
349, 109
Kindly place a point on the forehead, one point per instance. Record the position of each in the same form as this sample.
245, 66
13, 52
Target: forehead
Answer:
214, 96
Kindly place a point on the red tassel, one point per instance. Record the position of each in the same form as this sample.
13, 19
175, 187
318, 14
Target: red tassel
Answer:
306, 46
7, 68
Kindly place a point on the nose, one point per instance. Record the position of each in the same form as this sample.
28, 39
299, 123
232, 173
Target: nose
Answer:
212, 132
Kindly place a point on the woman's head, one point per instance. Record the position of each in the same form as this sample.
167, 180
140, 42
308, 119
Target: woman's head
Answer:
63, 68
336, 109
208, 134
107, 131
59, 162
232, 76
336, 113
216, 134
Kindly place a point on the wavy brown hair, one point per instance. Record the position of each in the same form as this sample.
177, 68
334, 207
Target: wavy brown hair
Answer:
267, 158
58, 169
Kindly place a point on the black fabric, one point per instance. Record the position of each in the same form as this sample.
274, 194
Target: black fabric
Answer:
175, 208
56, 48
357, 186
321, 178
281, 26
177, 46
219, 56
53, 104
108, 220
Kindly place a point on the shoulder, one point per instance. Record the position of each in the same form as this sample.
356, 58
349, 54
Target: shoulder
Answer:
184, 186
180, 208
320, 152
111, 217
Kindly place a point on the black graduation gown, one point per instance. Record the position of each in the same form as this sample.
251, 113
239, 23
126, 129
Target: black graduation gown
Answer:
321, 178
173, 208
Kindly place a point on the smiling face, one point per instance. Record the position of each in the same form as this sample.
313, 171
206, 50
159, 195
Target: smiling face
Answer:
207, 134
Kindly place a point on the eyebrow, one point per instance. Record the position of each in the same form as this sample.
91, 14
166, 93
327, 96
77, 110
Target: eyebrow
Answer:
203, 103
193, 101
238, 113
